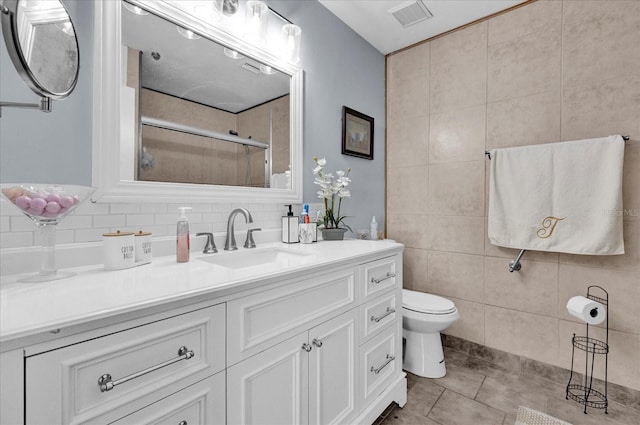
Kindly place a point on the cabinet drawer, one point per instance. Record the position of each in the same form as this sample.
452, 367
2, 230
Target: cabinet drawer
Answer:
381, 276
200, 403
262, 320
144, 363
378, 313
381, 362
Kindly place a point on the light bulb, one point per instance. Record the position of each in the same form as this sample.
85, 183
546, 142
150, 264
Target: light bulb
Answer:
256, 20
291, 43
232, 54
135, 9
187, 33
291, 40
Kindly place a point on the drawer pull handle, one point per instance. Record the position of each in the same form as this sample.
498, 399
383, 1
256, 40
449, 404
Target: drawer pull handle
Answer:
385, 314
317, 342
388, 360
306, 347
182, 423
106, 383
382, 279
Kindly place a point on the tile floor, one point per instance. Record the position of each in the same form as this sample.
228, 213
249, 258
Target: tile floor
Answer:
477, 392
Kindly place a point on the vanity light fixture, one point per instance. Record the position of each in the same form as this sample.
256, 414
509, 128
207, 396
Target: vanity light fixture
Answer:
187, 33
135, 9
232, 54
256, 21
292, 35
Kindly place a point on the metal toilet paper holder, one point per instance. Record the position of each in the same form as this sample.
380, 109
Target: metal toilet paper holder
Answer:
583, 391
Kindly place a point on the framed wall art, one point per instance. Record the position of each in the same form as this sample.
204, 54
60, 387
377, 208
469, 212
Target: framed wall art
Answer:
357, 134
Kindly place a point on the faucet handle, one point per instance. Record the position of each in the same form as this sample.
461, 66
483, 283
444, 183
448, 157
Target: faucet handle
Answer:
250, 243
210, 245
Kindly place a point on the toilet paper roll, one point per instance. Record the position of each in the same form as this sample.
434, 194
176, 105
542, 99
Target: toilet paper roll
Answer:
587, 310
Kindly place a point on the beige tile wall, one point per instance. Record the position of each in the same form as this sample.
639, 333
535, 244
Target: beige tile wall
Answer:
546, 72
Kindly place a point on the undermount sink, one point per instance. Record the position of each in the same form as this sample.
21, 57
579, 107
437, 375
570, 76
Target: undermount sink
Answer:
258, 257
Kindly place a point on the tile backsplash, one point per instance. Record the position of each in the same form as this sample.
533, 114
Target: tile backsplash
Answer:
90, 221
79, 235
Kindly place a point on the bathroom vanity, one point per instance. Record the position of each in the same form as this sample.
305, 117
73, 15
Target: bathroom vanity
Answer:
287, 334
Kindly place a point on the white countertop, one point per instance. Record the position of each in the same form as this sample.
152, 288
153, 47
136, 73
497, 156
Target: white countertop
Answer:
27, 309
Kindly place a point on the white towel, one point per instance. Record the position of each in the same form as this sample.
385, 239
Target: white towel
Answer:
560, 197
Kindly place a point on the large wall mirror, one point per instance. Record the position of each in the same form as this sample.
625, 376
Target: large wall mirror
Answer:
186, 111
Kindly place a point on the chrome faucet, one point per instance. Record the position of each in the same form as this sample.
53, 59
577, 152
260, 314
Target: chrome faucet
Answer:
230, 242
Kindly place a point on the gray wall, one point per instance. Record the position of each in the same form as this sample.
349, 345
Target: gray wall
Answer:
340, 69
38, 147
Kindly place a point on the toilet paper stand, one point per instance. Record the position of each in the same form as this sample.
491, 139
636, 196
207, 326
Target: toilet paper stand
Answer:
582, 389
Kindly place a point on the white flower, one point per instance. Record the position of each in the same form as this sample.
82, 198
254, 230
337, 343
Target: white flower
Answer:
343, 181
344, 193
331, 187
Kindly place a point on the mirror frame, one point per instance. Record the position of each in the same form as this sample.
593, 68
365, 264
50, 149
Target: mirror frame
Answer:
110, 162
14, 48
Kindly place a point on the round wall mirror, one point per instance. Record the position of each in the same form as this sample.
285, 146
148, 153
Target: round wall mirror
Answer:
41, 41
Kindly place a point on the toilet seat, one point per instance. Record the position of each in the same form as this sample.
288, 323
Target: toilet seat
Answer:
421, 302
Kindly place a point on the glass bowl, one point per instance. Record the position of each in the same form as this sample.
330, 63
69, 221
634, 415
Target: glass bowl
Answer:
46, 205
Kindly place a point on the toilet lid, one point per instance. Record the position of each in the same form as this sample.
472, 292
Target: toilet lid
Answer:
426, 303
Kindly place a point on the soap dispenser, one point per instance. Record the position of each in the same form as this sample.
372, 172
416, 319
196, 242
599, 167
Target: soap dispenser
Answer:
290, 227
182, 236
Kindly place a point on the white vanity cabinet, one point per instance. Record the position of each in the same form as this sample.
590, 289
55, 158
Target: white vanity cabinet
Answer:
319, 344
310, 377
344, 354
307, 379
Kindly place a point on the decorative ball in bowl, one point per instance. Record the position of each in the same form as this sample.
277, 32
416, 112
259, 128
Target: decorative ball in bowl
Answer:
46, 203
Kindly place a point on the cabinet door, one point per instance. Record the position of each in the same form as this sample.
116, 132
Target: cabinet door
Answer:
12, 387
271, 387
332, 370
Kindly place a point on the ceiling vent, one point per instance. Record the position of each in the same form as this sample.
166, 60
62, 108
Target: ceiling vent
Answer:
411, 12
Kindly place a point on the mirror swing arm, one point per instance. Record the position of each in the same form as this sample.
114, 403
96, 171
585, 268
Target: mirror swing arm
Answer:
44, 105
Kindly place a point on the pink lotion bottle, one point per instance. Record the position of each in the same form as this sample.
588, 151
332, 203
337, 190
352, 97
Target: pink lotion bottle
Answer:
182, 236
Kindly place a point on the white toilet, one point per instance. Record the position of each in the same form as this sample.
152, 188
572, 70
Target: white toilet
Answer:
423, 317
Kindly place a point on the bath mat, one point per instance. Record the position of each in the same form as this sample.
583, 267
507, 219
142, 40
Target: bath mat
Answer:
528, 416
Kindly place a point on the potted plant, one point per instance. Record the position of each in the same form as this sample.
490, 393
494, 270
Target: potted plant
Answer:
331, 223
